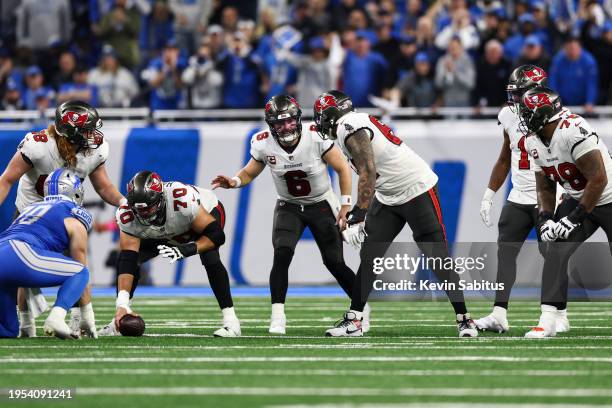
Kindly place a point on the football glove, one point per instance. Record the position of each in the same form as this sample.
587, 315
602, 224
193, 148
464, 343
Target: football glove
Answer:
547, 231
354, 235
564, 227
356, 215
485, 207
174, 253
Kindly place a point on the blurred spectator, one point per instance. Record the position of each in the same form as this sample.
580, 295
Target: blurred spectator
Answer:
241, 73
11, 99
302, 20
534, 54
79, 88
281, 76
319, 15
272, 8
387, 45
341, 13
116, 84
514, 44
34, 87
157, 28
42, 23
120, 28
417, 88
460, 27
67, 65
545, 28
205, 82
247, 28
164, 77
404, 62
455, 75
425, 39
190, 16
490, 26
229, 19
216, 40
314, 71
363, 71
8, 21
574, 75
602, 51
492, 73
8, 72
407, 23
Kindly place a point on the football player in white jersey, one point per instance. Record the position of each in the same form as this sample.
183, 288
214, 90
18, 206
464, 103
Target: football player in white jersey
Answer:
396, 187
174, 220
566, 150
298, 159
73, 141
520, 212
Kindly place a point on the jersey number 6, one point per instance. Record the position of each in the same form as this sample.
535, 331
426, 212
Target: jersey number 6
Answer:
297, 184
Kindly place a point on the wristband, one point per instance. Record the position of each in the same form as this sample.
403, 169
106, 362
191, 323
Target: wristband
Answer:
544, 216
346, 200
238, 181
578, 215
123, 300
488, 195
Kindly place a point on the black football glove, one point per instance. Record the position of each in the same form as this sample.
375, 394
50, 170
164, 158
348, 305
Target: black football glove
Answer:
356, 215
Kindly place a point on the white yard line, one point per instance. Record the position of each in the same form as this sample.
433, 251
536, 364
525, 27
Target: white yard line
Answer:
439, 405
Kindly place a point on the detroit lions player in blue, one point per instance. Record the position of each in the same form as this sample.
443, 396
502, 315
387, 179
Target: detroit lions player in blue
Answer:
31, 252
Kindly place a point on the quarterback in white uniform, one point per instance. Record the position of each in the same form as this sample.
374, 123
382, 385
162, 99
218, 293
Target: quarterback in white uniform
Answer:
298, 159
396, 187
174, 220
520, 212
565, 150
73, 141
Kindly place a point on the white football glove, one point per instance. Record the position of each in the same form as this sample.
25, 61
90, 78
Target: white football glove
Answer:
355, 235
547, 231
172, 253
564, 227
485, 207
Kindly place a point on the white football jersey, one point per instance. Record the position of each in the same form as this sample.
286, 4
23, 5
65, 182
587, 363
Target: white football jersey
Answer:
41, 150
300, 176
401, 174
521, 168
572, 138
183, 202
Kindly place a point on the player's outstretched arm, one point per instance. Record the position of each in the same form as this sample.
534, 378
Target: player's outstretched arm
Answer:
16, 168
496, 180
359, 145
246, 174
336, 160
211, 237
105, 187
129, 246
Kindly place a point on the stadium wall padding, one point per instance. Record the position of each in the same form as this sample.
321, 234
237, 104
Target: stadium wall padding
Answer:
461, 152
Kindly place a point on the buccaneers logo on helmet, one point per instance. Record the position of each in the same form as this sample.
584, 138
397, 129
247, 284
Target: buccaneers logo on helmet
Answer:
325, 102
537, 101
535, 74
74, 119
156, 184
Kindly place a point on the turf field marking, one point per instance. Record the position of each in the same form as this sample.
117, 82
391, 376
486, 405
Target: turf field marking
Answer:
200, 359
353, 391
301, 372
439, 405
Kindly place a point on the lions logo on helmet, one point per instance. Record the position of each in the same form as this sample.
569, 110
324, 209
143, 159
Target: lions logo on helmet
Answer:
64, 182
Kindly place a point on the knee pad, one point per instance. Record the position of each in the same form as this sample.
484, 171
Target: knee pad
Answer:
214, 232
127, 262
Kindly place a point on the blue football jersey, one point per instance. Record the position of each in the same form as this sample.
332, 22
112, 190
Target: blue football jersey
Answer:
42, 224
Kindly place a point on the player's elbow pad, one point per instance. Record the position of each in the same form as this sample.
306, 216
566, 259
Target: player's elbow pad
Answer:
128, 263
214, 232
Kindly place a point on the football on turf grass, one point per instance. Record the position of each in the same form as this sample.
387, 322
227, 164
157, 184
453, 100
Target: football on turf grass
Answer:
131, 326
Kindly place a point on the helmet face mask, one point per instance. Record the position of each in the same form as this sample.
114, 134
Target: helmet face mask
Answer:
146, 198
80, 123
521, 80
66, 183
284, 118
538, 107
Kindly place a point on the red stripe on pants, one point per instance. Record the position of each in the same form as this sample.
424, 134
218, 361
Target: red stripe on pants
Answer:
436, 203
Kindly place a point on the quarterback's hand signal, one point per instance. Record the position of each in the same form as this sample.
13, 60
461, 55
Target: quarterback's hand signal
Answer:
223, 182
172, 253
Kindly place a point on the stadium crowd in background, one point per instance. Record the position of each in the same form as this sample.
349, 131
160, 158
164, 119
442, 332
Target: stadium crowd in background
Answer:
179, 54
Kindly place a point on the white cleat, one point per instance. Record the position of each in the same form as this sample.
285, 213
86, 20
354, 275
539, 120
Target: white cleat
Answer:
349, 326
27, 331
365, 322
59, 328
229, 329
278, 324
546, 326
75, 320
562, 324
109, 330
466, 326
492, 323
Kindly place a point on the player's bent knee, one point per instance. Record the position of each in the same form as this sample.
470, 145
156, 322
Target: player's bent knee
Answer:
214, 232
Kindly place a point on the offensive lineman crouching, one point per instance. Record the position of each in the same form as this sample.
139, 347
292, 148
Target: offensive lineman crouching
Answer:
174, 220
